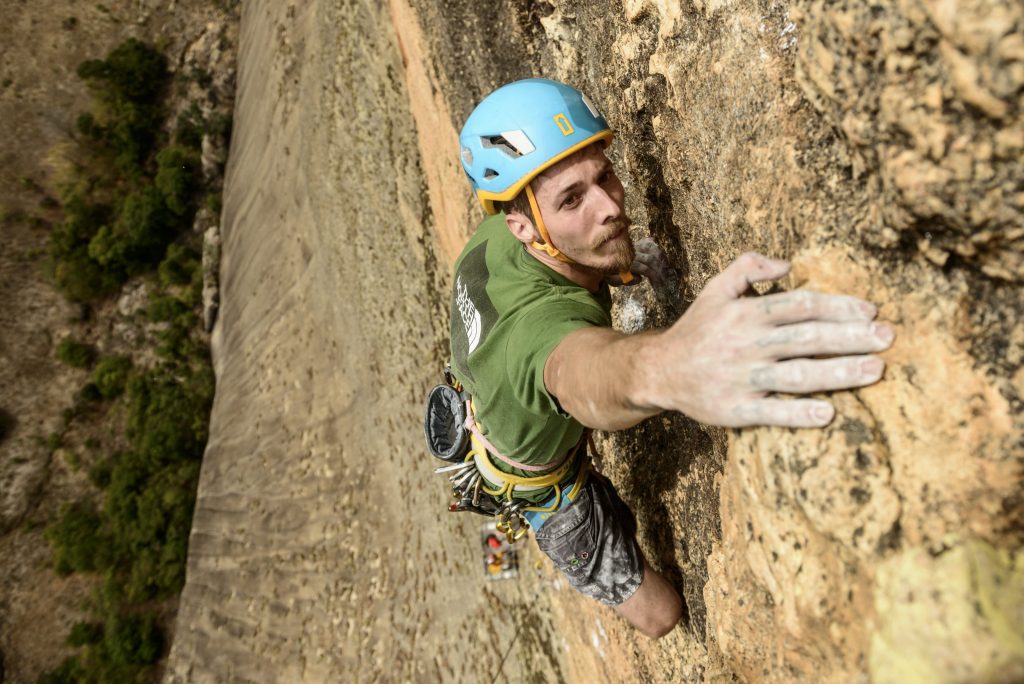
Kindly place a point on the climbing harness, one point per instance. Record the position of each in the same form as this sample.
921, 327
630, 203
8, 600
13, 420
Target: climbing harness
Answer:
454, 435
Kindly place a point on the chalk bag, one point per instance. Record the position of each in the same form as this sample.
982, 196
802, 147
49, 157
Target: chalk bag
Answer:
445, 424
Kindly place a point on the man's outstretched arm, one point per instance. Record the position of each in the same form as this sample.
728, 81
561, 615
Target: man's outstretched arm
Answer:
720, 362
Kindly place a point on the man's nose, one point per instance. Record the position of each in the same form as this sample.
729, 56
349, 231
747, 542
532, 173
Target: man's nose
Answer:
607, 205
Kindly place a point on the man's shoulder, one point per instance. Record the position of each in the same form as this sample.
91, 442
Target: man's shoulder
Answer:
490, 229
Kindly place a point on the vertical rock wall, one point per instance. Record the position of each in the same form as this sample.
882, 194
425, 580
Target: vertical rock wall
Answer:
877, 145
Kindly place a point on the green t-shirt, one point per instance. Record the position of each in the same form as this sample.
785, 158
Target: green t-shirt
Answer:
509, 311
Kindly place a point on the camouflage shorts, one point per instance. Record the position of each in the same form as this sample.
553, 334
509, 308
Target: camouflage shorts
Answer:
593, 542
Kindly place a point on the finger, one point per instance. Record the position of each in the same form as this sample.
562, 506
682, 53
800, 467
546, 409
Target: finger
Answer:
813, 339
795, 413
802, 376
746, 270
645, 262
806, 305
649, 248
645, 245
652, 261
645, 265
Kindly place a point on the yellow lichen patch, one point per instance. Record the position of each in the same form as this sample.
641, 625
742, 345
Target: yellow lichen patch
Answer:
949, 614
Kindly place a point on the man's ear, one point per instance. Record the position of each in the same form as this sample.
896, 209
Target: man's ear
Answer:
521, 227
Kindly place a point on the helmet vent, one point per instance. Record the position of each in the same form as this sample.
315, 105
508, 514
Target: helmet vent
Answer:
467, 156
590, 107
500, 143
513, 143
489, 174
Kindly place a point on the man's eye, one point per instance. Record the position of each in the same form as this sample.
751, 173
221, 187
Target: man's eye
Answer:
570, 201
604, 178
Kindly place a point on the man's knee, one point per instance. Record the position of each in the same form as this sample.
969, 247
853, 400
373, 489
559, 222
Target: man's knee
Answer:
655, 608
666, 617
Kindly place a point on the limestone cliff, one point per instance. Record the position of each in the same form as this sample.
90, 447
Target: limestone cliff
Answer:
877, 145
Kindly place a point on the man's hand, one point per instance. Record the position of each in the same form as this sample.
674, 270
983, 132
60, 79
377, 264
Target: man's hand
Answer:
721, 362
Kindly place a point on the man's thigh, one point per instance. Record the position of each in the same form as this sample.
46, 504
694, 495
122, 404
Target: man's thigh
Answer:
593, 542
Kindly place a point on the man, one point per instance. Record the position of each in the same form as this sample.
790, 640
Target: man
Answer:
532, 340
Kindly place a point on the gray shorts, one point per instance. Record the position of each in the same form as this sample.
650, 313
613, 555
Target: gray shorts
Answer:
593, 542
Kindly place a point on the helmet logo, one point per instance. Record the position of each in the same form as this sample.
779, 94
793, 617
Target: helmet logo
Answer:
563, 124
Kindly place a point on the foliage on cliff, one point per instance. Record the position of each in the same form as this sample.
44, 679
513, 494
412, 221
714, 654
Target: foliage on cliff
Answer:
128, 208
125, 205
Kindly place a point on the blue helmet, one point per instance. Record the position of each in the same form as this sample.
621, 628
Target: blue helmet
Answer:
521, 129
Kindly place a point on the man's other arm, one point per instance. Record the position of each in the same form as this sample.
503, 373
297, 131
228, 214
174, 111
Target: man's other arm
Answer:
723, 359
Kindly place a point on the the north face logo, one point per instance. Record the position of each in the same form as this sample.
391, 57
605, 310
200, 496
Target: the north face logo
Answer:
469, 313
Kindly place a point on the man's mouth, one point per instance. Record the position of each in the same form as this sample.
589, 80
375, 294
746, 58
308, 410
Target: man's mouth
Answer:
614, 236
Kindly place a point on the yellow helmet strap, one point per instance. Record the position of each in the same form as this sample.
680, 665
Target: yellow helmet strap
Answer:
546, 246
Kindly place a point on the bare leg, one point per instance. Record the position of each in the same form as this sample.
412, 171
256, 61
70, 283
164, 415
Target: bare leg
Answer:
655, 607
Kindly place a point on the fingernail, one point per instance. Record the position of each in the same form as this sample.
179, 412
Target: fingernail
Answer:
823, 413
883, 332
872, 368
868, 309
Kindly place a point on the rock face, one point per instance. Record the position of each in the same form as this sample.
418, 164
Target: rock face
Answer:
878, 146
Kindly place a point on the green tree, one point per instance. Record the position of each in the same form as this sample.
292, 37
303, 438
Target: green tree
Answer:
176, 177
127, 85
111, 375
180, 265
132, 640
79, 544
138, 237
74, 353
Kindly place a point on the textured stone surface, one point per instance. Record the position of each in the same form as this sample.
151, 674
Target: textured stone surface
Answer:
875, 145
320, 550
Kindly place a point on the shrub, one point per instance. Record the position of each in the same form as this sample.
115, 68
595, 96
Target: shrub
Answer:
188, 130
176, 177
164, 307
68, 672
85, 633
83, 219
99, 473
132, 640
89, 392
81, 279
76, 274
88, 126
168, 414
111, 375
214, 202
127, 84
179, 265
132, 72
77, 541
138, 236
75, 354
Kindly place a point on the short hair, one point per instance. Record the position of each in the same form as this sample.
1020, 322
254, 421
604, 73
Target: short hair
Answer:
520, 204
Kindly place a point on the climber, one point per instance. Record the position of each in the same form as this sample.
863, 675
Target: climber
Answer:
533, 346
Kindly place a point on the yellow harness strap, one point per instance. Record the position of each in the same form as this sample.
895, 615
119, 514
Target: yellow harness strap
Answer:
510, 484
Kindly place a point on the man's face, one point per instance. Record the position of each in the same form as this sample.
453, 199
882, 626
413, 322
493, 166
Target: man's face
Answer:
582, 203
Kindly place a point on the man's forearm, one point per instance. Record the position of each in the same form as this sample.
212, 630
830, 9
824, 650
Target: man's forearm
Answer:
598, 376
728, 360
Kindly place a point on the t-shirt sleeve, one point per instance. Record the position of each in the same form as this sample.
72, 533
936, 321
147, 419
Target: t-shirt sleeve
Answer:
532, 340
